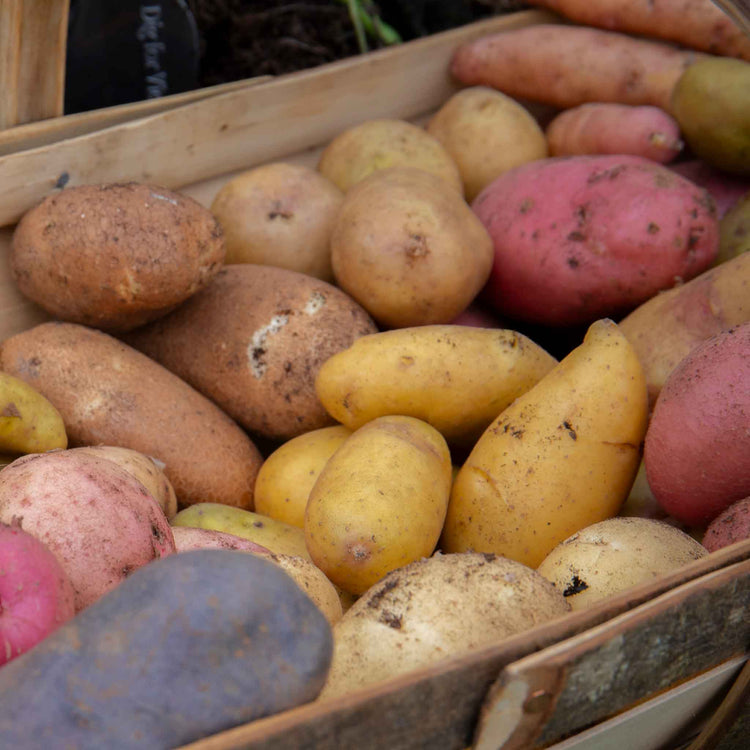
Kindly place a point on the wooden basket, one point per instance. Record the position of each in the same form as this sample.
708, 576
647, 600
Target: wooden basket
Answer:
658, 666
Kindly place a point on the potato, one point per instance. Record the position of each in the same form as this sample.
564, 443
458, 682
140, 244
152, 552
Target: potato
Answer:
289, 473
373, 145
36, 593
456, 378
304, 573
253, 341
114, 256
110, 394
734, 230
725, 189
698, 442
409, 249
279, 214
729, 527
379, 502
623, 229
143, 468
487, 133
613, 555
666, 328
99, 521
276, 536
561, 457
433, 609
185, 648
29, 423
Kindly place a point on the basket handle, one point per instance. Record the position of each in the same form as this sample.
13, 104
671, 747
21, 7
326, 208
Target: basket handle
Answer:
33, 36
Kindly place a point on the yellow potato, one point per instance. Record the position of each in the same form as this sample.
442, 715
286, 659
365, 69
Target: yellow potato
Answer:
29, 423
275, 536
281, 215
561, 457
487, 133
456, 378
615, 554
379, 502
289, 473
409, 249
378, 144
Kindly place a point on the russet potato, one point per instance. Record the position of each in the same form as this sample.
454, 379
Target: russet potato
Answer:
562, 456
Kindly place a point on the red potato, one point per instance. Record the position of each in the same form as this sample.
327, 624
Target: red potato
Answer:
587, 237
99, 521
565, 66
36, 593
699, 24
610, 128
698, 442
188, 538
729, 527
725, 189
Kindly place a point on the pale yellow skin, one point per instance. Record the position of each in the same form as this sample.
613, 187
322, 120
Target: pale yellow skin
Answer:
378, 144
279, 214
409, 249
665, 328
559, 458
275, 536
614, 555
456, 378
143, 468
379, 502
433, 609
29, 423
487, 133
287, 476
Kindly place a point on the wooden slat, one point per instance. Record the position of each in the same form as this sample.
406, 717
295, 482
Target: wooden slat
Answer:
33, 35
578, 682
43, 132
243, 128
438, 707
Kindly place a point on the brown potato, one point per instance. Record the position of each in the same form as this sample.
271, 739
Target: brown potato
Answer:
279, 214
253, 342
108, 393
379, 144
114, 256
487, 133
409, 249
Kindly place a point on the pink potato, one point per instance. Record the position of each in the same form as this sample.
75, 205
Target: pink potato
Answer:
726, 189
729, 527
698, 442
586, 237
612, 128
36, 595
100, 522
188, 538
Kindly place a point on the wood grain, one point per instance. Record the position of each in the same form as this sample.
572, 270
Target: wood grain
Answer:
33, 35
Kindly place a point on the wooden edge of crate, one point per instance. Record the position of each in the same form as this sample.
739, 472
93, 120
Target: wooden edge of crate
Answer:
443, 700
53, 129
249, 126
575, 683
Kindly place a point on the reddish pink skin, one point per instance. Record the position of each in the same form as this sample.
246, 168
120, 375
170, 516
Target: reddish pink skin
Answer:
724, 188
99, 521
729, 527
188, 538
585, 237
610, 128
698, 442
36, 595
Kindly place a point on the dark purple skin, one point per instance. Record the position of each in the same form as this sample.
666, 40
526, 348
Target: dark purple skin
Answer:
187, 646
